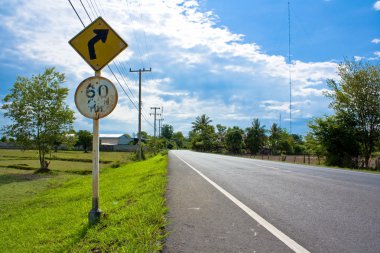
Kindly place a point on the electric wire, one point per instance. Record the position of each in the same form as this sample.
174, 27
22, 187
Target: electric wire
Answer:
101, 9
93, 6
97, 8
90, 7
76, 12
125, 82
122, 86
85, 10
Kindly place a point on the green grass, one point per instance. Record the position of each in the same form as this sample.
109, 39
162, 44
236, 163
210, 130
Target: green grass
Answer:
48, 212
62, 161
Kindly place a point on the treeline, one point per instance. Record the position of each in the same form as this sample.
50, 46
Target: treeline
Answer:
255, 139
348, 138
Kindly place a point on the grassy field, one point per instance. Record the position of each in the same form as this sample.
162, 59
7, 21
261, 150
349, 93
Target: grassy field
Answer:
48, 212
61, 161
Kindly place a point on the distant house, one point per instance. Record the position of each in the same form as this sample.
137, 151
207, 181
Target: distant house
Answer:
117, 142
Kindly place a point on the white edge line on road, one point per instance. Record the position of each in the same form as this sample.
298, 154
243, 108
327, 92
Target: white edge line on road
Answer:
272, 229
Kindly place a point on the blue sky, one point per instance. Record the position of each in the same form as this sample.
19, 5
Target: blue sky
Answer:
227, 59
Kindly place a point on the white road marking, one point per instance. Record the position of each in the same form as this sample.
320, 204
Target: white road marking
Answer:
272, 229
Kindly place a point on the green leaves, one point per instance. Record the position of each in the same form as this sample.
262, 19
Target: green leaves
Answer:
356, 101
38, 111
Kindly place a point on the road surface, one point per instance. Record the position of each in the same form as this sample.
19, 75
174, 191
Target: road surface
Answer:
228, 204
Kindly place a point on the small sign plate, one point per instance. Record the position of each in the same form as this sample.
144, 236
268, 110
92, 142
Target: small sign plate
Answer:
98, 44
96, 97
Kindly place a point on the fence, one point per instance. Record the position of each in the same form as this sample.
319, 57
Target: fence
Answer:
374, 162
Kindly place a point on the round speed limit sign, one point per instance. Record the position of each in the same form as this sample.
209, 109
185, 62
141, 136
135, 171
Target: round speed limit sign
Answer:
96, 97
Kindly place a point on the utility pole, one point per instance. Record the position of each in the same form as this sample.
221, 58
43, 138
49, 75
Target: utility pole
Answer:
160, 121
139, 128
159, 126
155, 114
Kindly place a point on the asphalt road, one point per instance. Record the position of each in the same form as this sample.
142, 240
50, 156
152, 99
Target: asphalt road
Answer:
320, 209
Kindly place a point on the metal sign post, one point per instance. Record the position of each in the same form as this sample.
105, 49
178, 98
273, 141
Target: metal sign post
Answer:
96, 97
95, 212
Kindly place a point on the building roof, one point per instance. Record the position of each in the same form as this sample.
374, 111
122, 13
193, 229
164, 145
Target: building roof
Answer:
110, 135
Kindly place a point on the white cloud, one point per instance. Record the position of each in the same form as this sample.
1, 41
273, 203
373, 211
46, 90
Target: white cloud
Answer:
377, 53
198, 66
376, 6
375, 41
358, 58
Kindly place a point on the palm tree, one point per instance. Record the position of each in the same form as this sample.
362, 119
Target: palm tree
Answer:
201, 122
274, 138
255, 137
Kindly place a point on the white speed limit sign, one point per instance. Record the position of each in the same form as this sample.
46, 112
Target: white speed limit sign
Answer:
96, 97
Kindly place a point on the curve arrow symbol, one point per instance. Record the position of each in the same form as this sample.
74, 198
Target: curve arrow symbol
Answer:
101, 34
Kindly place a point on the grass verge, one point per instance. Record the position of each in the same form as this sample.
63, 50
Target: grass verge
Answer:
49, 213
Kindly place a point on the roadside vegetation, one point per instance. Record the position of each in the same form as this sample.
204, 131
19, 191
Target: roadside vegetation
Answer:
48, 212
40, 118
349, 138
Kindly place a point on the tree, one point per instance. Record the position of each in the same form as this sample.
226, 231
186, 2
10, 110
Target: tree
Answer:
338, 140
67, 141
144, 135
167, 131
155, 144
298, 144
179, 139
203, 140
314, 146
356, 99
84, 139
234, 139
274, 138
4, 139
201, 122
220, 137
286, 144
203, 134
37, 108
255, 137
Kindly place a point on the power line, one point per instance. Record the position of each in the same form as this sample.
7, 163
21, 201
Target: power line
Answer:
97, 8
122, 86
121, 68
85, 10
91, 8
125, 82
76, 13
97, 14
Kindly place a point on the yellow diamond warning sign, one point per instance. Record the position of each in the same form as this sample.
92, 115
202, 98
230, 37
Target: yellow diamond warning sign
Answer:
98, 44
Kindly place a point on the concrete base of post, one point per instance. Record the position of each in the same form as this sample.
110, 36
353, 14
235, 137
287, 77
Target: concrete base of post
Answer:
94, 216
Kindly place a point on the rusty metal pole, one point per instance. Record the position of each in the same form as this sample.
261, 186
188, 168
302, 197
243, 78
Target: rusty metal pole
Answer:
95, 213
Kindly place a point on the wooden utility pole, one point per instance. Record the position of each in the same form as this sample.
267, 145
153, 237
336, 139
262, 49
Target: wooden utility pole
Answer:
159, 126
160, 121
139, 127
155, 114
